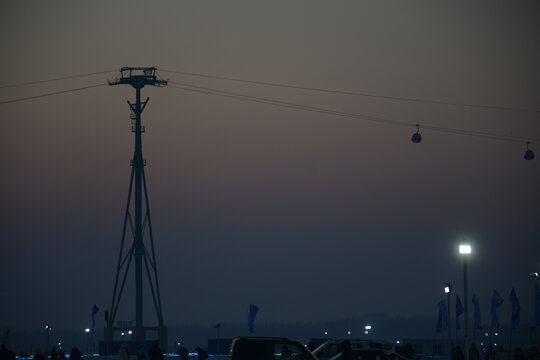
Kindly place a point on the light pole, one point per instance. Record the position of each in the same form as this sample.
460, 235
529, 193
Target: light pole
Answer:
447, 291
47, 338
217, 327
465, 250
534, 276
87, 332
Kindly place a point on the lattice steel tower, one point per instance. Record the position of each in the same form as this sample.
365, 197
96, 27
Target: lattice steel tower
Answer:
139, 223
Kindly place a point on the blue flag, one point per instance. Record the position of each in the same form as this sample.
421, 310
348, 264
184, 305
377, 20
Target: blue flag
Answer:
95, 309
476, 304
496, 301
515, 309
459, 311
253, 310
536, 305
442, 320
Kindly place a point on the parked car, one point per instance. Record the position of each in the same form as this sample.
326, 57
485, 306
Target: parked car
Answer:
268, 348
361, 349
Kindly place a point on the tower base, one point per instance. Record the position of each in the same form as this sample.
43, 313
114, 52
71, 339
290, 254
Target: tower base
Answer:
133, 337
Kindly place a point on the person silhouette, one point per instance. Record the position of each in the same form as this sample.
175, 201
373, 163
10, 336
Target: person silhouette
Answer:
4, 353
38, 355
75, 354
203, 354
54, 354
183, 352
473, 353
346, 350
123, 354
155, 352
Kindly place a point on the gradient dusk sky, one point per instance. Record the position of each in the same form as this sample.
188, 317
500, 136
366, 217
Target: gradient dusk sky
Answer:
311, 216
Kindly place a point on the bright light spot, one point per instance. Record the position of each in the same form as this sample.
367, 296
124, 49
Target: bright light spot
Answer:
368, 327
397, 341
487, 334
130, 332
481, 344
122, 334
326, 333
348, 332
447, 289
366, 332
495, 344
87, 330
465, 249
496, 334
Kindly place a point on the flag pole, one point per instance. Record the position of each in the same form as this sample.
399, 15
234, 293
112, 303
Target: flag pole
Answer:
510, 346
457, 327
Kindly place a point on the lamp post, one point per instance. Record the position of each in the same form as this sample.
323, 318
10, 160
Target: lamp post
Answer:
447, 291
534, 276
87, 332
465, 250
47, 338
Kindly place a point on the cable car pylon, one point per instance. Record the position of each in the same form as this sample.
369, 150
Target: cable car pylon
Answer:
137, 219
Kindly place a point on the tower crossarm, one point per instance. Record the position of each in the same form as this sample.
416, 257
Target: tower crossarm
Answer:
138, 77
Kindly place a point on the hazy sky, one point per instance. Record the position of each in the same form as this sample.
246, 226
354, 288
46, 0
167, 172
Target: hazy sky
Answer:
308, 215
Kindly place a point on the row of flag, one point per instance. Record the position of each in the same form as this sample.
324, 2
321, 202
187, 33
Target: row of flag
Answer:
496, 301
253, 310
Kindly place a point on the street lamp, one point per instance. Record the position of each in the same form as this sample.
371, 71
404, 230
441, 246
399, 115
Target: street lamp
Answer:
87, 332
534, 276
465, 250
47, 338
447, 291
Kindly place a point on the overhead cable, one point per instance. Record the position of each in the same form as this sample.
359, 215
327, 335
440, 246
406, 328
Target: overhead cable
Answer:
353, 93
239, 96
50, 94
57, 79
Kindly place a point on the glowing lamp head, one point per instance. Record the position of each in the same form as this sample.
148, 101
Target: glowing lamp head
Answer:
465, 249
447, 288
87, 330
